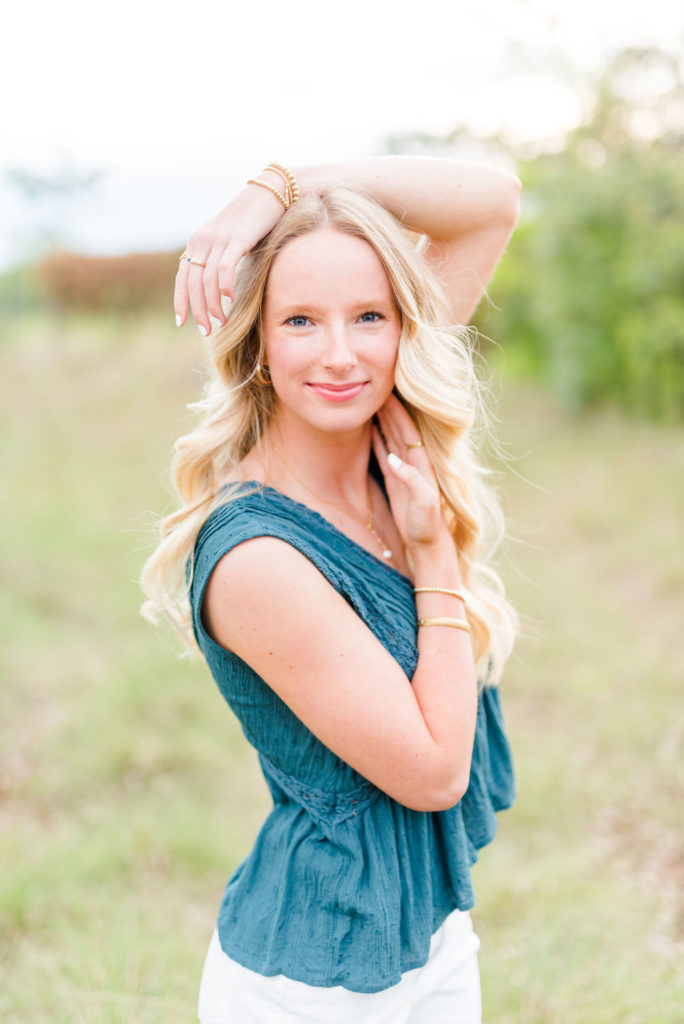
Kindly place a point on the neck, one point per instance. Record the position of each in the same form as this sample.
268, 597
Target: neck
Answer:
333, 467
328, 472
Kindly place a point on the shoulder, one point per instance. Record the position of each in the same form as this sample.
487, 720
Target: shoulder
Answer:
263, 581
287, 537
246, 509
250, 509
240, 514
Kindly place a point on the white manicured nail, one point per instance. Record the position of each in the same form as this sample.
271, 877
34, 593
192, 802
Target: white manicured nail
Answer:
202, 330
394, 461
179, 321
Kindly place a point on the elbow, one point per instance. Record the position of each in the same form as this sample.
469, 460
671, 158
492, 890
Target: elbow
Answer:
516, 185
440, 797
436, 781
449, 795
452, 782
510, 204
500, 209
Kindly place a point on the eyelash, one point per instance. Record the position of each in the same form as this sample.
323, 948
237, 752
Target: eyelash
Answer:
370, 312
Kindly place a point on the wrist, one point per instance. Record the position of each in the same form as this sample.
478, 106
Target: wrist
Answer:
270, 187
436, 564
278, 181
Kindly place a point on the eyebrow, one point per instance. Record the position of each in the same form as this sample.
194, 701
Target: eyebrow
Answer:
307, 304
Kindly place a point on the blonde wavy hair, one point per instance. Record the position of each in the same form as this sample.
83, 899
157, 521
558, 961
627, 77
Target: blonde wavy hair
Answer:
434, 377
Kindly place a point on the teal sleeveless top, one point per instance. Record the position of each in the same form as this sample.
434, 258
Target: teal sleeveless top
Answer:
344, 886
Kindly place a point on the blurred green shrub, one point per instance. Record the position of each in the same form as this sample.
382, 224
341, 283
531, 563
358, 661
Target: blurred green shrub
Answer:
590, 294
20, 289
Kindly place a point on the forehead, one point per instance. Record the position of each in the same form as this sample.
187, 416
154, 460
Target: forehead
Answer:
330, 262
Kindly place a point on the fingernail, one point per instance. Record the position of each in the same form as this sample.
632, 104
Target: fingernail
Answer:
179, 321
202, 330
394, 461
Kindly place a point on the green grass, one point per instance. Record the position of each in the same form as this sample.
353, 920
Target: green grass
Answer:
127, 793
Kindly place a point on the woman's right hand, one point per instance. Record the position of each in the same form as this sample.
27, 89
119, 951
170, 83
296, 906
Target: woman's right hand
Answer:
220, 244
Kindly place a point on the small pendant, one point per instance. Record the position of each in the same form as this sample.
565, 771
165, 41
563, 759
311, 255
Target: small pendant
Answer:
386, 553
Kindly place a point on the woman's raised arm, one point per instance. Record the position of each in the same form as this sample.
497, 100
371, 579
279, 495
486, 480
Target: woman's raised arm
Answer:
467, 211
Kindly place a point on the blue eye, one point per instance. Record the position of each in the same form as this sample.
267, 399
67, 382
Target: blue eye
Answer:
370, 317
298, 321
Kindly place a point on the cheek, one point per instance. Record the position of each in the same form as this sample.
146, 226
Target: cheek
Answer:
288, 366
387, 355
278, 356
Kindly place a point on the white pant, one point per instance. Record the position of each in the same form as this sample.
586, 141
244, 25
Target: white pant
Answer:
446, 990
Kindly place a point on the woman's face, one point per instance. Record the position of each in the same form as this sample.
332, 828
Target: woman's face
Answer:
331, 331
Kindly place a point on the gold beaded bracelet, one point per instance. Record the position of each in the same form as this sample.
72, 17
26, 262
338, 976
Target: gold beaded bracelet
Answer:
289, 177
456, 623
283, 178
440, 590
291, 190
274, 191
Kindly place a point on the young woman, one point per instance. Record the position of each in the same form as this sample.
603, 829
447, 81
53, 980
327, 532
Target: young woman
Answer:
332, 559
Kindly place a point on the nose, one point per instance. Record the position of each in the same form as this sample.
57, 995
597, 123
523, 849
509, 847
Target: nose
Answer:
339, 354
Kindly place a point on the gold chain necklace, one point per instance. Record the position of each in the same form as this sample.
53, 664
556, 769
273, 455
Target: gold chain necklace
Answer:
384, 548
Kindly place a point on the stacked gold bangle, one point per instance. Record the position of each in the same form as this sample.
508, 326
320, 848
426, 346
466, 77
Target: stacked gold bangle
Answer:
441, 620
291, 190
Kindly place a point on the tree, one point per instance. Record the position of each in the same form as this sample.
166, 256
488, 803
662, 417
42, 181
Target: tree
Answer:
594, 284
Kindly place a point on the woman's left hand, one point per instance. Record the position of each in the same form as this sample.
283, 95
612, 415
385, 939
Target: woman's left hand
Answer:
411, 483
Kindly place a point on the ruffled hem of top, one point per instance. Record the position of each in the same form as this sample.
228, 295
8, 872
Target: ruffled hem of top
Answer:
348, 889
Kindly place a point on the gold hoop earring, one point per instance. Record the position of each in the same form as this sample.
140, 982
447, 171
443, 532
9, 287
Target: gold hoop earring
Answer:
262, 374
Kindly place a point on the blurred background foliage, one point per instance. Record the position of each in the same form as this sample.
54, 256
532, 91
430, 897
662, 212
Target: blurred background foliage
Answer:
591, 292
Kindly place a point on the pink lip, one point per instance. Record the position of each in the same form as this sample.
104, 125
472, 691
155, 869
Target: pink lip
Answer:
338, 392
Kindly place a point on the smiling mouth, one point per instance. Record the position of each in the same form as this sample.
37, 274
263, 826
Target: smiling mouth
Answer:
338, 392
337, 387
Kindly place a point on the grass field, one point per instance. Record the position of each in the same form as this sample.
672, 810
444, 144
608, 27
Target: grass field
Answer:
127, 794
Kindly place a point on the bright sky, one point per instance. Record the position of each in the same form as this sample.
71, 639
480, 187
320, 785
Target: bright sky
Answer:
179, 101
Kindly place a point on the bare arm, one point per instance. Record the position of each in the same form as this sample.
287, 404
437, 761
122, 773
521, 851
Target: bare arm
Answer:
468, 211
268, 603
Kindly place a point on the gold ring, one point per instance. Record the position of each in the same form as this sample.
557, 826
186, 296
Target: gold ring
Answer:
414, 444
190, 259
